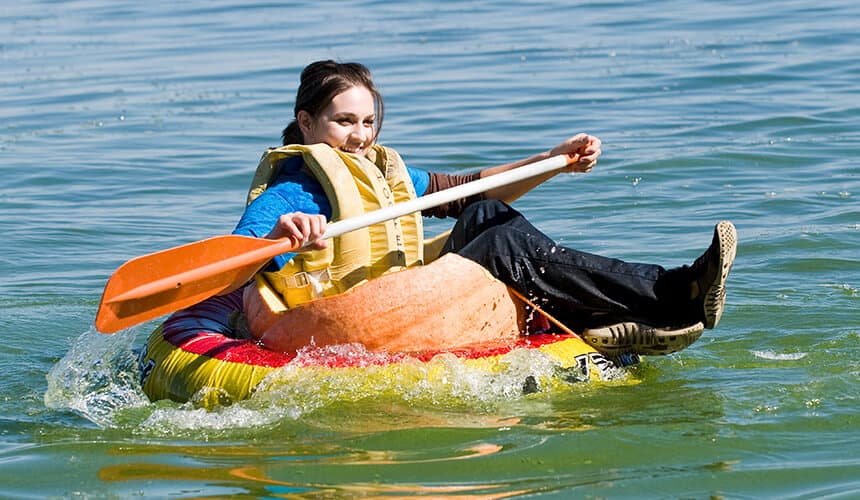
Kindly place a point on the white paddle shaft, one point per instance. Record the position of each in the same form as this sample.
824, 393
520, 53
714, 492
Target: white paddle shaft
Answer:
446, 196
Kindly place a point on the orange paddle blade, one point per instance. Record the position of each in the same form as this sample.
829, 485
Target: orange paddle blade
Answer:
153, 285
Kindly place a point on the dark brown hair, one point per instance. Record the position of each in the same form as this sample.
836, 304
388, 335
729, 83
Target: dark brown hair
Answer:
320, 82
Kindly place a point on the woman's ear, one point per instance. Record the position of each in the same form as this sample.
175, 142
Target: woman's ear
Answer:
304, 119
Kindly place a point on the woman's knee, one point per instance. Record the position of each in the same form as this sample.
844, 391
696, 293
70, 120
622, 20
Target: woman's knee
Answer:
477, 218
491, 210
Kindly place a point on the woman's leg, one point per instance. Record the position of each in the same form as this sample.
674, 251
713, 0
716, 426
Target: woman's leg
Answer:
582, 290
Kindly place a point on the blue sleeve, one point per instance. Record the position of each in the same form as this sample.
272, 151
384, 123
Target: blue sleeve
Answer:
420, 179
295, 192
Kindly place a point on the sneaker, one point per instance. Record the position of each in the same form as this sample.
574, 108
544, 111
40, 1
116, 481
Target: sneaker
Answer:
711, 271
630, 337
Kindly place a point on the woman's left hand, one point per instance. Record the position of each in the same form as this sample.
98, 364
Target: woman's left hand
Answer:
582, 151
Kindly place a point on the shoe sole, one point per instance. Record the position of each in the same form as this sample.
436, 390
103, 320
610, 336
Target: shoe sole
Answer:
636, 338
715, 296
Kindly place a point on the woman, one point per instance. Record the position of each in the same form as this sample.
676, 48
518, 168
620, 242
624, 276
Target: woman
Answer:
618, 306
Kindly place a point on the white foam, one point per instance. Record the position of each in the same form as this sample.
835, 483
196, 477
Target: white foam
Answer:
168, 421
779, 356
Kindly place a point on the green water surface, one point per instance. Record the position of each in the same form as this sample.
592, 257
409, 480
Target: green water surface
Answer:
130, 127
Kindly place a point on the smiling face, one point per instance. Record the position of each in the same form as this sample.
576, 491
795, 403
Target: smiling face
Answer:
347, 123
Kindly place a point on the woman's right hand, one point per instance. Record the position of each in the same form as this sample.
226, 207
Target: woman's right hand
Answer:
302, 229
582, 151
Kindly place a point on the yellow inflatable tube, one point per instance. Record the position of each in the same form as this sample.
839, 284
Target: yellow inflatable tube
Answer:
196, 354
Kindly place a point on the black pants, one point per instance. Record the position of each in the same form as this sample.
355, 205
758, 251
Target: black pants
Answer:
578, 288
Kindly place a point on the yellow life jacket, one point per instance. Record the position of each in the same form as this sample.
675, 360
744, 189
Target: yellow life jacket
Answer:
353, 185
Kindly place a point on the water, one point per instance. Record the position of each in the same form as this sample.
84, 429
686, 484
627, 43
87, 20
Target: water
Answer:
129, 127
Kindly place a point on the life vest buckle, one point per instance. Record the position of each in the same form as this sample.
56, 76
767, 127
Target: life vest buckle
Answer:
307, 278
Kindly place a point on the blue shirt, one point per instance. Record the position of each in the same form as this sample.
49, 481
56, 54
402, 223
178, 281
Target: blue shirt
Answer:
295, 190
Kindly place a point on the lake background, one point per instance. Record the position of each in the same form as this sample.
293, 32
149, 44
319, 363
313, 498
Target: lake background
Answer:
130, 127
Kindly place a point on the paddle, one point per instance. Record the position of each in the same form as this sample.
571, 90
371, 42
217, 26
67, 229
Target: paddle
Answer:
153, 285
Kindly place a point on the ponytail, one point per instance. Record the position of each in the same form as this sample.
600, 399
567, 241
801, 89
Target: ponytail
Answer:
292, 134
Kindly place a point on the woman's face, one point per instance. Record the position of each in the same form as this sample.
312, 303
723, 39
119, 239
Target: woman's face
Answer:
345, 124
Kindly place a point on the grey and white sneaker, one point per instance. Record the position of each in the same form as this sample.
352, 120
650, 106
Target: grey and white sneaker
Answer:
711, 271
631, 337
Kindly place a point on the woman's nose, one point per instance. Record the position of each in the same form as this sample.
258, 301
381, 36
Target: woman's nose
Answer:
360, 132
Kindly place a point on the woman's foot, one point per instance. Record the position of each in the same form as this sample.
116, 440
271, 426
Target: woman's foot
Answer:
631, 337
710, 272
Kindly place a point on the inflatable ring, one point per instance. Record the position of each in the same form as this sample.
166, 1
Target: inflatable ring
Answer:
195, 351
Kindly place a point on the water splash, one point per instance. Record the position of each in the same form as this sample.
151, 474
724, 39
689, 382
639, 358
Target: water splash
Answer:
296, 391
443, 380
199, 422
97, 377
